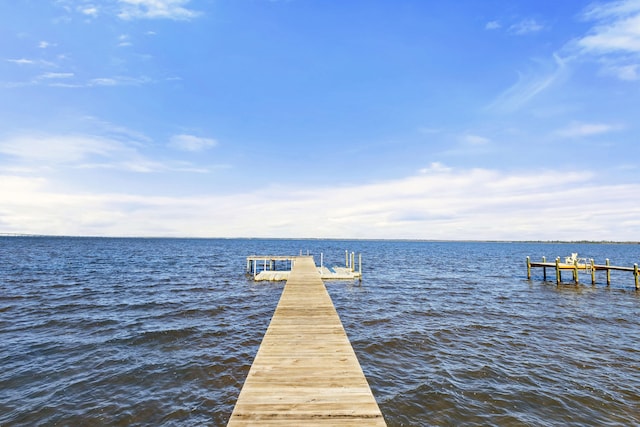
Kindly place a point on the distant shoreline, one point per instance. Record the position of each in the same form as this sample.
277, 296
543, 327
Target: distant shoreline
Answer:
596, 242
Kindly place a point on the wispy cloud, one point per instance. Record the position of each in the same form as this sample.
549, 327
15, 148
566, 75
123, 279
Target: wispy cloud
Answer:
615, 37
579, 129
176, 10
529, 85
118, 81
107, 147
493, 25
124, 41
50, 76
192, 143
33, 63
156, 9
89, 10
70, 81
22, 61
471, 139
53, 150
526, 26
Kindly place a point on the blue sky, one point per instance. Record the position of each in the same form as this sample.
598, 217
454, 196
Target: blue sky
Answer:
305, 118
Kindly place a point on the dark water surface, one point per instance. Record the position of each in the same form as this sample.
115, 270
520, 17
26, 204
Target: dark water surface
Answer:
162, 332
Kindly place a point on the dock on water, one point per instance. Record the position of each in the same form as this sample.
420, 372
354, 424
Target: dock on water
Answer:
575, 265
278, 268
305, 372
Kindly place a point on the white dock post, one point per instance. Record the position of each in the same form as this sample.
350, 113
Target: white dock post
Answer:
346, 259
360, 264
321, 260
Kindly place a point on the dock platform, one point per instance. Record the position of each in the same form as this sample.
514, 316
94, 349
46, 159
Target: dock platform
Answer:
278, 268
306, 372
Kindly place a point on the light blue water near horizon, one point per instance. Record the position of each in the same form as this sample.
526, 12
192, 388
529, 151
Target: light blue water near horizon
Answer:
100, 331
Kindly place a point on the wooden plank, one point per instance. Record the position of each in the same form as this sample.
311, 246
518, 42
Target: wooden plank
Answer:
306, 372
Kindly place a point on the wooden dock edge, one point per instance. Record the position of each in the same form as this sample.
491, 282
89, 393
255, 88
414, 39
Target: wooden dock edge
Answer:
305, 372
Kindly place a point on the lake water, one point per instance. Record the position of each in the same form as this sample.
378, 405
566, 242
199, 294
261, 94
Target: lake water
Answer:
162, 332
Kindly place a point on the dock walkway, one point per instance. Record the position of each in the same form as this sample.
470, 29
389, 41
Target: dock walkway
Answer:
306, 372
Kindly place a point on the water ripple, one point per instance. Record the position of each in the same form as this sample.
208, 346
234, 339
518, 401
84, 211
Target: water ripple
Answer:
163, 332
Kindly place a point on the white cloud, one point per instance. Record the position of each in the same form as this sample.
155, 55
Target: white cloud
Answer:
22, 61
621, 35
471, 139
118, 81
435, 167
579, 129
124, 41
48, 76
615, 38
440, 203
156, 9
526, 26
50, 150
627, 72
111, 148
191, 142
493, 25
89, 10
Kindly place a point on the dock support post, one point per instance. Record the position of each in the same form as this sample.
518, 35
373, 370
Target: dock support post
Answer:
544, 268
608, 273
593, 272
528, 269
360, 264
321, 260
346, 259
558, 274
353, 260
575, 271
635, 275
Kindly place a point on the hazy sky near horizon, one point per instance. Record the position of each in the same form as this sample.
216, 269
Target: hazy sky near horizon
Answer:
491, 119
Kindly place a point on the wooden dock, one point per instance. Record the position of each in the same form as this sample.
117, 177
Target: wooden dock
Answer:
305, 372
575, 267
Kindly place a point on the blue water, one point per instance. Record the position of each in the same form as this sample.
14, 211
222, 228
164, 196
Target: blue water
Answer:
162, 332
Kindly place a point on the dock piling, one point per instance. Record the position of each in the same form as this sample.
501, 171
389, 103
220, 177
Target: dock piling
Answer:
575, 265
